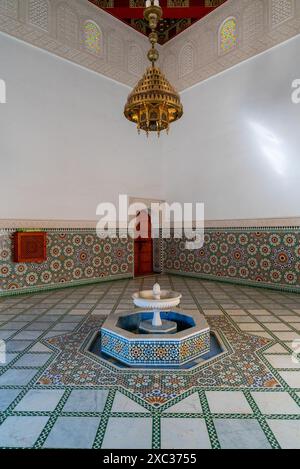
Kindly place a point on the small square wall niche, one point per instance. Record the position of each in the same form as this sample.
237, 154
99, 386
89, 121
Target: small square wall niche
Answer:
30, 246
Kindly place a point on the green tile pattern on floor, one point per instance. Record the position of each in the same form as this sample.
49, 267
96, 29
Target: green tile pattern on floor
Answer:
32, 325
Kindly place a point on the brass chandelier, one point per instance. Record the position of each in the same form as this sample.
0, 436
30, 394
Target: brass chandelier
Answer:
153, 104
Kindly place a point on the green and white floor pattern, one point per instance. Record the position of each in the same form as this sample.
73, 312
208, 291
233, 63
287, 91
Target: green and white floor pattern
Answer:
46, 404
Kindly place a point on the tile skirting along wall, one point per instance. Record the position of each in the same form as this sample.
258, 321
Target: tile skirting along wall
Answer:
258, 256
266, 256
74, 257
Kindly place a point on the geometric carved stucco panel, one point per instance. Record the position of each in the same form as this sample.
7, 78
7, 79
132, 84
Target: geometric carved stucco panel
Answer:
187, 57
38, 13
135, 59
253, 22
67, 25
9, 8
206, 41
170, 66
281, 11
115, 52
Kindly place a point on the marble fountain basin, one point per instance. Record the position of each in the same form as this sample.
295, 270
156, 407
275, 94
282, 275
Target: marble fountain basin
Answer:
166, 299
122, 339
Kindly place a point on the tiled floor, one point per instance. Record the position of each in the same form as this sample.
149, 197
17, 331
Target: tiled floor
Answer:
44, 403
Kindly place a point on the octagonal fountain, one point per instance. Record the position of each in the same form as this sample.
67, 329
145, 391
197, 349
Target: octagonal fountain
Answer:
158, 334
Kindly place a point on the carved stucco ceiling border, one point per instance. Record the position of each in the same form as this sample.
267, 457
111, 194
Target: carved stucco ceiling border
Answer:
123, 50
188, 59
261, 25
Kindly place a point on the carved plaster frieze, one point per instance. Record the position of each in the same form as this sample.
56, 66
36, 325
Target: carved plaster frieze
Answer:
195, 54
60, 27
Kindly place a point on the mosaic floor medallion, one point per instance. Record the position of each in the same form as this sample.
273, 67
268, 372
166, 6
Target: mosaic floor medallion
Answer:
54, 393
239, 366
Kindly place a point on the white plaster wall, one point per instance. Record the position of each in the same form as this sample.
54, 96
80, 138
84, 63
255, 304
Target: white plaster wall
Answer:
237, 148
64, 143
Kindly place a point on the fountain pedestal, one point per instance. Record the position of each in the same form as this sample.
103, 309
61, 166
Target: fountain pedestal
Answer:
167, 327
157, 325
157, 299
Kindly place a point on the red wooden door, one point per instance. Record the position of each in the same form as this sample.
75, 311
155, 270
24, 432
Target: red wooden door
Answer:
143, 250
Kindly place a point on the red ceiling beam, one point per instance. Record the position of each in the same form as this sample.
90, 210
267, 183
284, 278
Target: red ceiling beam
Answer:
185, 12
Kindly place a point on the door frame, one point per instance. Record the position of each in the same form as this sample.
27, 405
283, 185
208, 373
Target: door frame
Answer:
158, 264
139, 242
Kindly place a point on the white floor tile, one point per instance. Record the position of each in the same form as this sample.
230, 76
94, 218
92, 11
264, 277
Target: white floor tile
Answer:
228, 402
287, 433
124, 433
275, 403
184, 433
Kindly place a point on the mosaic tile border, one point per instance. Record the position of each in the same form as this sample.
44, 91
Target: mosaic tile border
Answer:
165, 353
79, 283
257, 223
233, 281
86, 345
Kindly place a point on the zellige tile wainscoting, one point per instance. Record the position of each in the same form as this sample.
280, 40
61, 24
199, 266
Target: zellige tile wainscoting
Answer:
74, 257
258, 256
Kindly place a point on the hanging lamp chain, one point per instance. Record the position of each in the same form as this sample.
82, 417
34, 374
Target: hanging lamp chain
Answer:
153, 14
